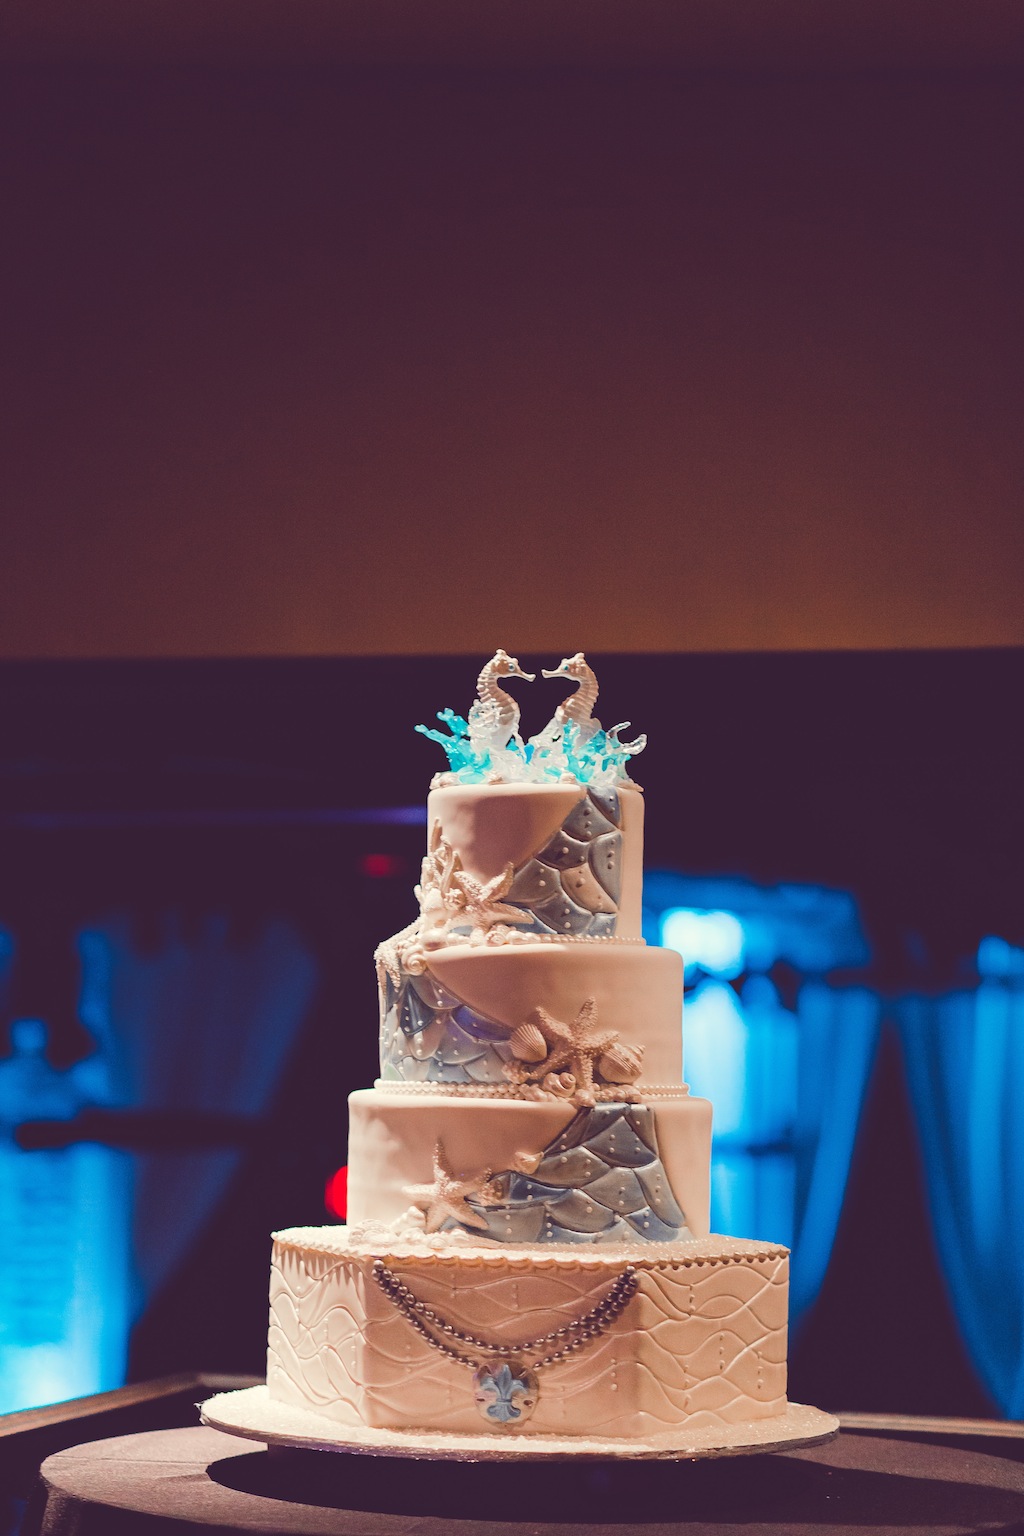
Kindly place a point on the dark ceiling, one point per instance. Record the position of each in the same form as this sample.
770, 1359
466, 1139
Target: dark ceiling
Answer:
601, 34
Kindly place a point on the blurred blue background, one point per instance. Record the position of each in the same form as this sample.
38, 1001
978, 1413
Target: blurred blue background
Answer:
197, 859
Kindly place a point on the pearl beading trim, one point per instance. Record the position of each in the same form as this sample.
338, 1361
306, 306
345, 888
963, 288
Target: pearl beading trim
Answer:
577, 1334
452, 940
304, 1240
607, 1093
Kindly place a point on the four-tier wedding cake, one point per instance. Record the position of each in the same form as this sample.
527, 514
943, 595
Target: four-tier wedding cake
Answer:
527, 1251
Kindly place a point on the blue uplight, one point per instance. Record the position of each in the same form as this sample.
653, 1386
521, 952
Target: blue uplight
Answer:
999, 960
786, 1077
713, 941
964, 1057
65, 1305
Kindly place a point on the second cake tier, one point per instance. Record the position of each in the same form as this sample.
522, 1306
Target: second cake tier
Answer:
456, 1021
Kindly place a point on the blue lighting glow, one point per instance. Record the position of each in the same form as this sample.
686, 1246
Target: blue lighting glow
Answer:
714, 941
964, 1056
999, 960
65, 1305
200, 1021
786, 1078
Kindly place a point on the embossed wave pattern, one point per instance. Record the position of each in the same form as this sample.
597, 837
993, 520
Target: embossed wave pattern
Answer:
702, 1343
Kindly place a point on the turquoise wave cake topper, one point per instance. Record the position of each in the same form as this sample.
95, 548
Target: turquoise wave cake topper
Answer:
485, 747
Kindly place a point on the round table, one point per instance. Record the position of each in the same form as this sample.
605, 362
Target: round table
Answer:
205, 1480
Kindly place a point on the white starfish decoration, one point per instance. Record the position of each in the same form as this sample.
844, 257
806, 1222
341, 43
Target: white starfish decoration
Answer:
447, 1195
448, 895
482, 898
574, 1048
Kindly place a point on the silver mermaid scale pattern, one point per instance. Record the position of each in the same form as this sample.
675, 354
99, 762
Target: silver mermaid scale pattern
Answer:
600, 1181
428, 1034
572, 886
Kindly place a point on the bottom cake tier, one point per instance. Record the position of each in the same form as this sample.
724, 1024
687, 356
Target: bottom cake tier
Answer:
460, 1337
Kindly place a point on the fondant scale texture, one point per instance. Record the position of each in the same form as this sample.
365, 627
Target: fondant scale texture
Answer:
528, 1251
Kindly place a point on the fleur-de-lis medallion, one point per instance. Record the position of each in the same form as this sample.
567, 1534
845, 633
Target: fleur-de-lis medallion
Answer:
506, 1395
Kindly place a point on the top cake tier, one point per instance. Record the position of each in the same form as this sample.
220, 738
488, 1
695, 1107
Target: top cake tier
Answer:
562, 860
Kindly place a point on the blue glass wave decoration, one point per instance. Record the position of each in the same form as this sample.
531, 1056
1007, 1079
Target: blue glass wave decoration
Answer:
486, 747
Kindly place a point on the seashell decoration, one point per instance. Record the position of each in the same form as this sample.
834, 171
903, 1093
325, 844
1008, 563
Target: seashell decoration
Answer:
527, 1043
561, 1084
621, 1063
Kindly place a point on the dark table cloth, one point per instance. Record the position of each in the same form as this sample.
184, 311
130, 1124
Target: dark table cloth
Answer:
198, 1479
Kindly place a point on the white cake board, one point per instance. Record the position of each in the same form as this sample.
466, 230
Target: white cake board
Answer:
254, 1415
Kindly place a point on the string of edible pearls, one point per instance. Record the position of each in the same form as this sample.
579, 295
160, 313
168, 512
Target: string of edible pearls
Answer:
576, 1334
575, 938
606, 1093
452, 940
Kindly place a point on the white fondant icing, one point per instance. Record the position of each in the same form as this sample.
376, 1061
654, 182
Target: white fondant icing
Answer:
637, 991
493, 825
537, 1140
393, 1137
254, 1415
703, 1342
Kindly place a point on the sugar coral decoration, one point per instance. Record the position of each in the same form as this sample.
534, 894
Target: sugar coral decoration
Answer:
446, 1198
439, 864
438, 900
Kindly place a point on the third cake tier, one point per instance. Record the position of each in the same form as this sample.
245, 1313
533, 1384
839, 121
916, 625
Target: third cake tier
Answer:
521, 1171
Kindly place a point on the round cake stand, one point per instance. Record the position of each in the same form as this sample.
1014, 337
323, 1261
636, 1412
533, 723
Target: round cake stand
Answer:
254, 1415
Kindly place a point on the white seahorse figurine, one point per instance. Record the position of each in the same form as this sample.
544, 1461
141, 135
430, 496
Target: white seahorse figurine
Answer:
494, 718
577, 707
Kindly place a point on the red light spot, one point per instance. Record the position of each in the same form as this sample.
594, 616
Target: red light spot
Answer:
382, 866
336, 1194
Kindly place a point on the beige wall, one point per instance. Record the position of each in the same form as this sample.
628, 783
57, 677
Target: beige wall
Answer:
303, 366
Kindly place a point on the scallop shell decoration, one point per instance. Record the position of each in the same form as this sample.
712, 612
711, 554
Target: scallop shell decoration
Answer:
527, 1043
621, 1063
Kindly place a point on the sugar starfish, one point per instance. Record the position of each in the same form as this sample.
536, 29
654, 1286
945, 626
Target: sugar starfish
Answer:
447, 1195
574, 1047
483, 898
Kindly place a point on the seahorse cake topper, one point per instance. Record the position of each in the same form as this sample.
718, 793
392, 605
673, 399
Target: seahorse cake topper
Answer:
579, 705
486, 748
495, 715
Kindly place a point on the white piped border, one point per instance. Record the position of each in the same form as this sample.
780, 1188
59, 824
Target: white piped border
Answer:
254, 1415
